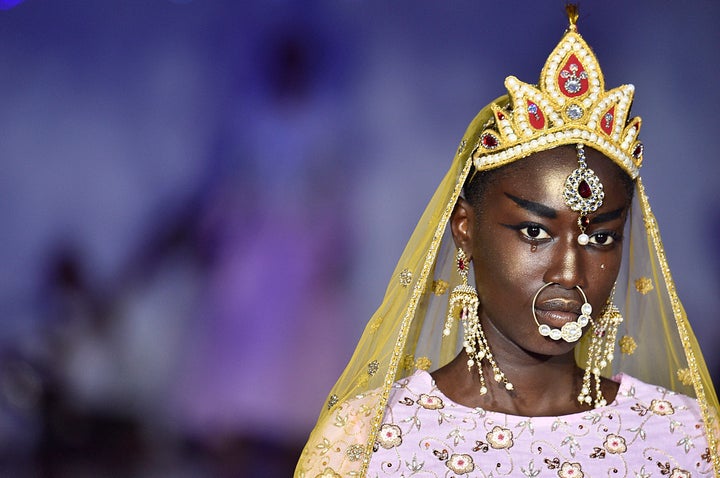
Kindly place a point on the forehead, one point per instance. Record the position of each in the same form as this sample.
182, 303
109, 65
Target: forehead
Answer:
542, 175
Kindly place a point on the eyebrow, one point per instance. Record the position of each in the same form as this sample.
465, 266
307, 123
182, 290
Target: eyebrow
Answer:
607, 216
550, 213
534, 207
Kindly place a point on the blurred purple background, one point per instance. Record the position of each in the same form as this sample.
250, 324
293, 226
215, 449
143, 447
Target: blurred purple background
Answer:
202, 202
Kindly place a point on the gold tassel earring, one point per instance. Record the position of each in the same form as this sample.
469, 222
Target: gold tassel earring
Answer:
464, 303
601, 351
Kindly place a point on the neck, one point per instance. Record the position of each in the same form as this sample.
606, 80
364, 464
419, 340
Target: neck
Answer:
543, 387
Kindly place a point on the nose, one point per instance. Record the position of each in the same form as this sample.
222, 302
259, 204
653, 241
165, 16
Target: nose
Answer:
567, 267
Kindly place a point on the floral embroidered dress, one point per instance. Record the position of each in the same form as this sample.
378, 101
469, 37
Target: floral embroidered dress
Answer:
646, 432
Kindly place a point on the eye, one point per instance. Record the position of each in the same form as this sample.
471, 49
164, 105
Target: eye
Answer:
603, 238
534, 232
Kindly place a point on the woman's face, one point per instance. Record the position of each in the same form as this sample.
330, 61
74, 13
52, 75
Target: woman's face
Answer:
524, 236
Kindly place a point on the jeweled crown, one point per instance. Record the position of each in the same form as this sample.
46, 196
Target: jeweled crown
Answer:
568, 106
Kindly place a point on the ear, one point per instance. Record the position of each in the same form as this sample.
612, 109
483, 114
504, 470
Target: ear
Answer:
462, 223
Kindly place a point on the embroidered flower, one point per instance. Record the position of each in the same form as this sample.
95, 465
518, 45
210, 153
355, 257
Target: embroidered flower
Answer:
439, 287
570, 470
389, 436
328, 473
423, 363
500, 438
615, 444
460, 464
430, 402
627, 345
373, 367
355, 452
643, 285
408, 362
685, 376
678, 473
405, 277
661, 407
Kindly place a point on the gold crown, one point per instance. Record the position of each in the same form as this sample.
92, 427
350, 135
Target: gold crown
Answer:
569, 106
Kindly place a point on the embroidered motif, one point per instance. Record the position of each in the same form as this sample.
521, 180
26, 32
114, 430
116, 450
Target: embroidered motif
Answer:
442, 455
461, 463
461, 148
389, 436
552, 464
644, 285
597, 452
355, 452
615, 444
423, 363
405, 277
375, 323
408, 362
500, 438
570, 470
685, 376
661, 407
332, 401
481, 446
627, 345
328, 473
439, 287
430, 402
373, 367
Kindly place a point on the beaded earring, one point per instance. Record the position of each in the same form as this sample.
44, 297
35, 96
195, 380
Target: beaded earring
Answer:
601, 352
464, 304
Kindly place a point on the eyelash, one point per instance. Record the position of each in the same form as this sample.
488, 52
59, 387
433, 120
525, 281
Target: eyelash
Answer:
521, 228
609, 234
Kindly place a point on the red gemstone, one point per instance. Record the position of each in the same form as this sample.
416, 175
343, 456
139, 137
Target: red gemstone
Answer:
584, 189
585, 221
607, 121
489, 141
500, 116
572, 80
638, 151
535, 115
461, 265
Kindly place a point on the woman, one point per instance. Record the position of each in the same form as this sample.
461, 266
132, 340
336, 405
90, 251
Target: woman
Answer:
515, 294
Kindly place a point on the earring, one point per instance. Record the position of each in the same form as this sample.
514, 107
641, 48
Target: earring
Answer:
464, 303
601, 351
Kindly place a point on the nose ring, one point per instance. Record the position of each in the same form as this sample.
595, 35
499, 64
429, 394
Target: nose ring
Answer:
570, 331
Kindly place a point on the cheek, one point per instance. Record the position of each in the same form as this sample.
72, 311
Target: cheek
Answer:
506, 265
602, 278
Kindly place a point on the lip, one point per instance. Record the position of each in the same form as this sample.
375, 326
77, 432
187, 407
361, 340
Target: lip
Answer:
557, 311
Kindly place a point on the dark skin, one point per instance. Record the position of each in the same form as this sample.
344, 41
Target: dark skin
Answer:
521, 237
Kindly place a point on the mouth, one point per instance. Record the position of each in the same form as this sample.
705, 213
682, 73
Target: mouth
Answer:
557, 311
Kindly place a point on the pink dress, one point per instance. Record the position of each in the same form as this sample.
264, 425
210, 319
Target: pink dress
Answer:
646, 432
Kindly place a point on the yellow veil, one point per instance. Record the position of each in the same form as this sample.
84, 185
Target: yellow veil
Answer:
657, 344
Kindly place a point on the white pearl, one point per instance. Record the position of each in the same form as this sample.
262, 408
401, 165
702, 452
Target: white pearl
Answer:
583, 239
